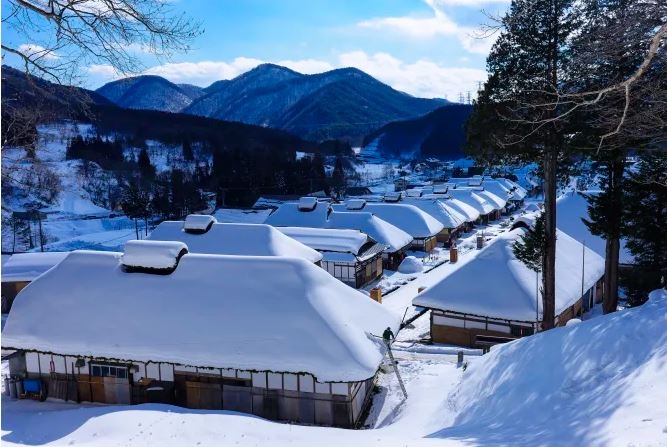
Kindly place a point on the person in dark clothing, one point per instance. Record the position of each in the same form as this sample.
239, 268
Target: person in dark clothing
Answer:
387, 335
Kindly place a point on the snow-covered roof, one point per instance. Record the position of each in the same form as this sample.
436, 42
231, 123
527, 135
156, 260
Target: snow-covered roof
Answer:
380, 230
414, 192
198, 222
392, 197
244, 312
497, 202
148, 254
473, 199
496, 284
448, 216
408, 218
497, 188
355, 204
28, 266
469, 212
518, 191
290, 215
235, 239
570, 209
307, 203
328, 239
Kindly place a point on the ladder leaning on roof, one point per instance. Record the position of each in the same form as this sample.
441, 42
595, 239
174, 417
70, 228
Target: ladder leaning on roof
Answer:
393, 364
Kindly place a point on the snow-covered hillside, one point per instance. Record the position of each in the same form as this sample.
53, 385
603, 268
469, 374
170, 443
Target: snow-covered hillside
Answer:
597, 383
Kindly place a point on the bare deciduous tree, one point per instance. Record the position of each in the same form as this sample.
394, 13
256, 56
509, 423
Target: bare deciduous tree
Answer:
58, 37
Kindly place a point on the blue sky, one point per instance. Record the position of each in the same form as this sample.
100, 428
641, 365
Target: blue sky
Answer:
423, 47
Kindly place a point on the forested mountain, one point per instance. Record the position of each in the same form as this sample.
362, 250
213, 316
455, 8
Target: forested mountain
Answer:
440, 134
149, 92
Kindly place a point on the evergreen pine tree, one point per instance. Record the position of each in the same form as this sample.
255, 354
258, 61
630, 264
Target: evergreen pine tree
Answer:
646, 224
531, 247
188, 154
146, 169
513, 113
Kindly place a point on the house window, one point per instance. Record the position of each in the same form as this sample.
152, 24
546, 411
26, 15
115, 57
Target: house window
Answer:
120, 372
521, 331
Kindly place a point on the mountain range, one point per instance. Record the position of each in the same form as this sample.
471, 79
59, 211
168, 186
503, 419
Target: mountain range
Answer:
343, 103
28, 101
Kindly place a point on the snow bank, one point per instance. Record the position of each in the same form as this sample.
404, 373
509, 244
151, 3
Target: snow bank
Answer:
244, 312
411, 265
235, 239
153, 254
601, 382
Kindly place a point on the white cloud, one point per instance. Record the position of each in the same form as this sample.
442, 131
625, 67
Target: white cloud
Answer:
204, 72
423, 78
436, 24
38, 52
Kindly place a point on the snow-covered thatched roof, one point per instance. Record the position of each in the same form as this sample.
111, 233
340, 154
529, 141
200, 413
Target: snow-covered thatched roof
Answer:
235, 239
518, 191
246, 312
380, 230
469, 212
445, 214
292, 215
497, 188
497, 202
471, 198
28, 266
496, 284
328, 239
408, 218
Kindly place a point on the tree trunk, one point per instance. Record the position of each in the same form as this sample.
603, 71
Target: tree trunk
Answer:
610, 297
136, 228
549, 259
613, 244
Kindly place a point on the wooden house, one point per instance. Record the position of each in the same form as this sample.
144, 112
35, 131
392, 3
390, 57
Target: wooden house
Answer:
203, 234
452, 220
321, 215
348, 255
238, 333
495, 296
22, 268
394, 240
487, 211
